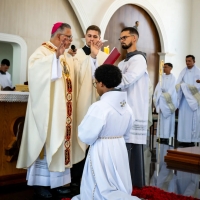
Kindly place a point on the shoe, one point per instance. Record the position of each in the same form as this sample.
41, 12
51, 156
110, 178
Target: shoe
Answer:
75, 188
75, 184
63, 190
191, 144
186, 144
164, 141
43, 192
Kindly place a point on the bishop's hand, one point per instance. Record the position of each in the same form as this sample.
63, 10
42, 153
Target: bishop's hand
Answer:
61, 49
95, 47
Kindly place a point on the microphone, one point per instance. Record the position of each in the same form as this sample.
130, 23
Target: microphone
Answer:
73, 48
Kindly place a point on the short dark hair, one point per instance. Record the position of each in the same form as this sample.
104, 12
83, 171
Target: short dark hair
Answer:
94, 28
5, 62
109, 75
136, 22
61, 28
169, 64
191, 56
131, 30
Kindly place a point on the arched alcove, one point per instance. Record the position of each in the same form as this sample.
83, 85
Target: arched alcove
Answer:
19, 54
148, 42
147, 6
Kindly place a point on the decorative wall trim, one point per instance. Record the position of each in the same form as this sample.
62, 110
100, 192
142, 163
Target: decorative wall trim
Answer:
80, 13
20, 49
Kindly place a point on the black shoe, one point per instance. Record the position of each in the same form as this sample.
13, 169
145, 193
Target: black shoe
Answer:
43, 192
75, 184
75, 187
164, 141
186, 144
63, 190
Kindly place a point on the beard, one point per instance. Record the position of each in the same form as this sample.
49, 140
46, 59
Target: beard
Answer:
124, 46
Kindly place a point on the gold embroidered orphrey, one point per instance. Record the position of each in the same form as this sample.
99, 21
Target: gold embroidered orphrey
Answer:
68, 104
69, 111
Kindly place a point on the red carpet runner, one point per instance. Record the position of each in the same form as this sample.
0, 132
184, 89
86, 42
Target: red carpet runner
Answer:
154, 193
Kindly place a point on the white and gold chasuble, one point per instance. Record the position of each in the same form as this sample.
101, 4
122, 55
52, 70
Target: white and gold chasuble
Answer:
69, 103
49, 119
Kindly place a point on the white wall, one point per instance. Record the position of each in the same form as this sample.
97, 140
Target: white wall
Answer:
176, 18
195, 31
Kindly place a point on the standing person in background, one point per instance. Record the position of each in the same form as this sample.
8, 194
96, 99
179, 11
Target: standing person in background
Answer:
136, 25
135, 81
188, 90
5, 78
165, 101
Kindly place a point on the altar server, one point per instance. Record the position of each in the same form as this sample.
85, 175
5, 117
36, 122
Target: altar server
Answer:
188, 90
135, 81
165, 101
5, 78
89, 58
106, 128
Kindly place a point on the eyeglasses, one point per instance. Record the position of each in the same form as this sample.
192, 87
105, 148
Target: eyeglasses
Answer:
69, 37
95, 84
124, 37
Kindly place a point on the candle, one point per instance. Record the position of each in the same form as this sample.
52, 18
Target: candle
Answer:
107, 50
161, 72
161, 67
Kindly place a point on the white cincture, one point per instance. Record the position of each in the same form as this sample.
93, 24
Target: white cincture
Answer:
115, 137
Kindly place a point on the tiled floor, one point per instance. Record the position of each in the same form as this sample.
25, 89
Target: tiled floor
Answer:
156, 174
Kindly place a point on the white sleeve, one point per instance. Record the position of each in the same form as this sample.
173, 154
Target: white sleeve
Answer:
192, 102
9, 80
56, 69
91, 125
137, 68
127, 133
93, 65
